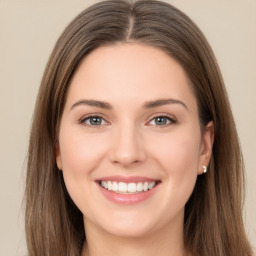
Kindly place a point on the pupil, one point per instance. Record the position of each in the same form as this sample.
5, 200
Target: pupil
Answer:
161, 120
95, 120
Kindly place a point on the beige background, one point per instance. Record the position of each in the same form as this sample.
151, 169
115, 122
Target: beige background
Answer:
28, 31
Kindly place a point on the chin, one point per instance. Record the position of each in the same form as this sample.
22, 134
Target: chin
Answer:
129, 231
129, 226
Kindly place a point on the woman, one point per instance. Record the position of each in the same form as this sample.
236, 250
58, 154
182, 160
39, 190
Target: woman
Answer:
133, 147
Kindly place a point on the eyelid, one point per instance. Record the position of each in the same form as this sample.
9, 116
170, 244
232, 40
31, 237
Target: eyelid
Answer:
83, 118
172, 119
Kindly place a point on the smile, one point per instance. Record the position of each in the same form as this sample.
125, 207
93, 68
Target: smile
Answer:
127, 188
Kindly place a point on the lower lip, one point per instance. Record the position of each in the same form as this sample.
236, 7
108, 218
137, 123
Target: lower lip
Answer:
127, 199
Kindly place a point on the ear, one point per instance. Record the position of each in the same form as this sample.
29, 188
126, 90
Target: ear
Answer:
58, 155
206, 147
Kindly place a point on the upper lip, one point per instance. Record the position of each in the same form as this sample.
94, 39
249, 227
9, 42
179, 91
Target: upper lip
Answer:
126, 179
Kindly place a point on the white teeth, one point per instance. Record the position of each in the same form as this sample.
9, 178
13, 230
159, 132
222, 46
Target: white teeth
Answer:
145, 186
151, 185
109, 185
122, 187
104, 184
130, 188
139, 187
115, 186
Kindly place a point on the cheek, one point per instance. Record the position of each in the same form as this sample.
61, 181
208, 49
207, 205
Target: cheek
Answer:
182, 155
178, 156
179, 159
80, 152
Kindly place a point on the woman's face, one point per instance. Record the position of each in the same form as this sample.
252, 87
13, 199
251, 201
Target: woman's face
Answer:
130, 145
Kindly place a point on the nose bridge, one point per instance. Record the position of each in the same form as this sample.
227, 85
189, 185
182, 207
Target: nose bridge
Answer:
127, 144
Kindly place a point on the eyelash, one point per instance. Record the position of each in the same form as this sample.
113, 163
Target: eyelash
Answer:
170, 119
83, 120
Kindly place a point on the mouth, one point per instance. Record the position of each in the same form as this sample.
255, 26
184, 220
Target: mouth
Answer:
128, 187
127, 190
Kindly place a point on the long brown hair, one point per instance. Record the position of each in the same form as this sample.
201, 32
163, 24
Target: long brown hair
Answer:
213, 224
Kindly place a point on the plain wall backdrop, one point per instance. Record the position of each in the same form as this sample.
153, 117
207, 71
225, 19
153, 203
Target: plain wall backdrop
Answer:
28, 32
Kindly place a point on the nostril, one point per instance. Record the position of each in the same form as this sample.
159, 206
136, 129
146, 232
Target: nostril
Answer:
127, 157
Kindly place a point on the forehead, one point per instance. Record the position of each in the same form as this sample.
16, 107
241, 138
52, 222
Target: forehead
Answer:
129, 72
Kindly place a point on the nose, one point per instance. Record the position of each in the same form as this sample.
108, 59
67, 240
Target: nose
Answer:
127, 147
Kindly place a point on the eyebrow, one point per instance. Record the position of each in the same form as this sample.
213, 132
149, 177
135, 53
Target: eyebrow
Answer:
92, 103
147, 105
161, 102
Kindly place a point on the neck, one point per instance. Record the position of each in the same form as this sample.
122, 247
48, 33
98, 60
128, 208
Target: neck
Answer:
162, 243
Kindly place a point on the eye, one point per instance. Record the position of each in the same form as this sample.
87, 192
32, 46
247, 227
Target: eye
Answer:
162, 121
93, 121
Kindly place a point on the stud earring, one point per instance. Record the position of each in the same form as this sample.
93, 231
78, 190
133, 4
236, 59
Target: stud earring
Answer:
204, 169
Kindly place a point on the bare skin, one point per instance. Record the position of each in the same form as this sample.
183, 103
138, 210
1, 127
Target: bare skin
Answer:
130, 112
